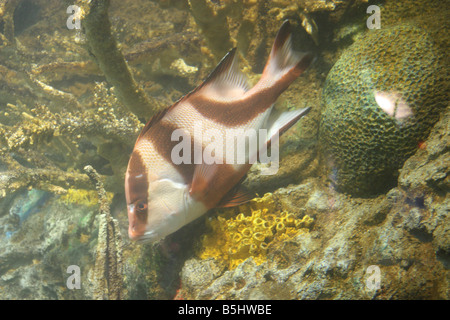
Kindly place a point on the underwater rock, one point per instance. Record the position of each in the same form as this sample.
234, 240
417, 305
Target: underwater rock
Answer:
332, 261
318, 201
429, 167
425, 178
35, 257
381, 100
405, 234
198, 273
28, 203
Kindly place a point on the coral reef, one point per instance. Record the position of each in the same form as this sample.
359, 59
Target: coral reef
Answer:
111, 61
252, 233
404, 233
66, 132
61, 110
381, 100
35, 254
7, 9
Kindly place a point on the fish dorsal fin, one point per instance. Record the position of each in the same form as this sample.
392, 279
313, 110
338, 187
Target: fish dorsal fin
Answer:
235, 197
156, 117
226, 80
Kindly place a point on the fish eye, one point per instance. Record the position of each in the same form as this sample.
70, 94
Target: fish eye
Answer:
141, 206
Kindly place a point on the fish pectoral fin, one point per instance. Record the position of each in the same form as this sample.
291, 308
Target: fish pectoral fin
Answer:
202, 181
235, 197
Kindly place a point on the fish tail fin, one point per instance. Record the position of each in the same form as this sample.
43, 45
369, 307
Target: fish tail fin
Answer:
284, 64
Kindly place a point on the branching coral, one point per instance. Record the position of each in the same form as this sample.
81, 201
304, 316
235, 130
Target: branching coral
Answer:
43, 149
158, 53
107, 275
252, 233
6, 16
212, 19
111, 61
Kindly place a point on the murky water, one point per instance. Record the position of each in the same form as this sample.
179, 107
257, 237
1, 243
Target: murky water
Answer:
356, 208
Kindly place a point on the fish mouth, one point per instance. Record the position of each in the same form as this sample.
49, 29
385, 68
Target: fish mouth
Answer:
147, 237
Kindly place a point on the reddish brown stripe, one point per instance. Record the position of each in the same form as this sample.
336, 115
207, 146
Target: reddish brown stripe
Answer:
160, 136
136, 188
235, 113
136, 166
242, 111
285, 81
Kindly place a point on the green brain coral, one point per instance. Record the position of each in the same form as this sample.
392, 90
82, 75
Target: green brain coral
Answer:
381, 99
234, 238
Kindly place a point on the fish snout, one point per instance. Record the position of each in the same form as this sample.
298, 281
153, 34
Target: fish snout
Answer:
132, 234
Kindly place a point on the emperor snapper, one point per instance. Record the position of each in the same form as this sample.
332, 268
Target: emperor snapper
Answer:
163, 195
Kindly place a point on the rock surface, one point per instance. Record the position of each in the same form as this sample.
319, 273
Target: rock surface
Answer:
404, 234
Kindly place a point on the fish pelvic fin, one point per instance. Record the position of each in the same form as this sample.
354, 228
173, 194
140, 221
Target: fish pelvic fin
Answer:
284, 64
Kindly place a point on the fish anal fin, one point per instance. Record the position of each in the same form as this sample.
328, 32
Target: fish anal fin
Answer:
280, 122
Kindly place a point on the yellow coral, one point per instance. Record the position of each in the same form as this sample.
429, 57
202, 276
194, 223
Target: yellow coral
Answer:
251, 233
84, 197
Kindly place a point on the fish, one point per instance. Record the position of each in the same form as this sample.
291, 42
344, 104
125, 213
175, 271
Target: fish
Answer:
164, 194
